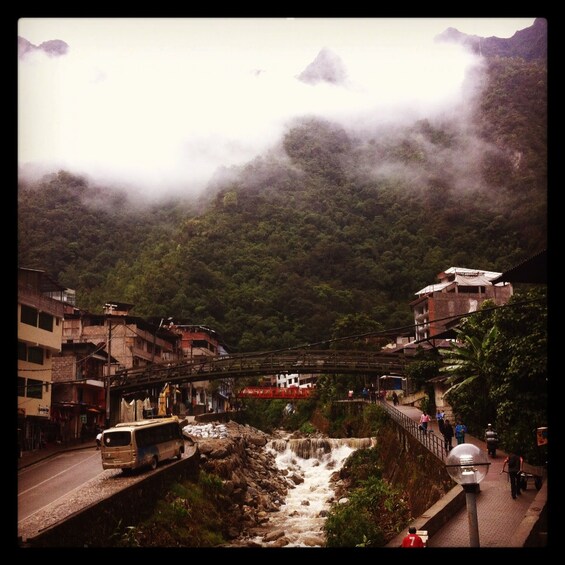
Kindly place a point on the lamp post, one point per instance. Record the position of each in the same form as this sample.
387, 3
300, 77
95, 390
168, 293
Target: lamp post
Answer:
468, 465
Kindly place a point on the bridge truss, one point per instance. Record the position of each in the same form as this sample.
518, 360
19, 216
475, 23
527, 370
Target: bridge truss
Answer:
260, 364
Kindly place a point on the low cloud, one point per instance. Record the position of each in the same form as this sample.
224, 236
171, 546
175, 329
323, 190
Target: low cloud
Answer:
163, 108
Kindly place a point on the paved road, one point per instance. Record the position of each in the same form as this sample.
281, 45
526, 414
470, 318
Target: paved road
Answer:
47, 481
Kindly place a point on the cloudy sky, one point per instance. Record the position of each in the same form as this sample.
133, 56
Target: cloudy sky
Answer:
162, 103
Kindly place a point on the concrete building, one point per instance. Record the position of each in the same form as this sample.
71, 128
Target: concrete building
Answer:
40, 323
458, 292
79, 390
200, 343
129, 342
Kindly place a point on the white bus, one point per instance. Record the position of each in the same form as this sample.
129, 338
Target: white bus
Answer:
131, 445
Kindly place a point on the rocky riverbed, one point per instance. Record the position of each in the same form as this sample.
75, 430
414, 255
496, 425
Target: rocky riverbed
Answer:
257, 487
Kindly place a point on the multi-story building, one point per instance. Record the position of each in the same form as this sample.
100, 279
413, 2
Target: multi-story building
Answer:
40, 323
79, 390
199, 343
458, 292
439, 307
130, 342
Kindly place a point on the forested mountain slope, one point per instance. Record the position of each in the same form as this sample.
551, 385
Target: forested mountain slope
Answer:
329, 234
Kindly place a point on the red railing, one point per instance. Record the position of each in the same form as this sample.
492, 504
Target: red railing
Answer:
269, 392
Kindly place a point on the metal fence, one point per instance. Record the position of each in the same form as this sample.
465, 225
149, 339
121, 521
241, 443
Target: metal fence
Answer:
429, 439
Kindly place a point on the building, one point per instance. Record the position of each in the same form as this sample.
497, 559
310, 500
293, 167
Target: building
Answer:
438, 309
200, 343
129, 342
285, 380
40, 324
79, 390
458, 292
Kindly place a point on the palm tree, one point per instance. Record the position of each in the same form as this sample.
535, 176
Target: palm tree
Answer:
469, 365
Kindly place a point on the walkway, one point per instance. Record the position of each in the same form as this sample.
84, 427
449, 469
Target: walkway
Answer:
499, 516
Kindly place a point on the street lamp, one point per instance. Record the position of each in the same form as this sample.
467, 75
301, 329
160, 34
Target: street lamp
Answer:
468, 465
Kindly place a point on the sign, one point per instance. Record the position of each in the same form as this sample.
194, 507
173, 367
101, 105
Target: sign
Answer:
541, 434
43, 410
83, 418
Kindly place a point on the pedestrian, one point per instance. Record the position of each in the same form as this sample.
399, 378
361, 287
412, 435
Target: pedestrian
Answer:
447, 435
412, 539
491, 439
424, 421
514, 463
439, 417
98, 440
460, 431
394, 398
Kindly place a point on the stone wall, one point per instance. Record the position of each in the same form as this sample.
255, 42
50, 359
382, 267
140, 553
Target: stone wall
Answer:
409, 466
94, 525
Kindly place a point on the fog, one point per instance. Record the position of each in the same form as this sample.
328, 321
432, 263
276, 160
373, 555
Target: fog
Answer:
161, 104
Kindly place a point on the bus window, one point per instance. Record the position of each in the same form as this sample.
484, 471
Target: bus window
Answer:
116, 439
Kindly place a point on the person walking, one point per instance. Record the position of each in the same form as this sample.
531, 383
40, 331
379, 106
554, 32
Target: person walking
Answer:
460, 431
440, 420
491, 439
424, 421
447, 435
394, 398
514, 463
412, 539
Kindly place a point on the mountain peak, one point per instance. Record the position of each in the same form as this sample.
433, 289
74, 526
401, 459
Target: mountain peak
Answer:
326, 67
53, 47
529, 43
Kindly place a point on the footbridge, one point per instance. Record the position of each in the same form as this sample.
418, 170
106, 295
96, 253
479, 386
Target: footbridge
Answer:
259, 364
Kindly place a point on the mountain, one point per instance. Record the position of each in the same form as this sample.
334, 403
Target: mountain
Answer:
326, 67
329, 234
53, 47
529, 43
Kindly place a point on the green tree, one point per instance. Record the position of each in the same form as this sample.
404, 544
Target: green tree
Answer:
469, 364
499, 371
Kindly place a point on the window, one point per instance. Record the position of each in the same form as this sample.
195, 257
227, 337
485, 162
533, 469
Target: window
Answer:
35, 355
22, 351
46, 321
34, 388
28, 315
21, 386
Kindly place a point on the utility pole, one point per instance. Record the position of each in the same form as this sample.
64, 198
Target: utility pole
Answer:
109, 348
109, 309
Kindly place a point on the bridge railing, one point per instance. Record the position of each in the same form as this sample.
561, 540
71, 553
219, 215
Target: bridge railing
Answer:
429, 439
260, 364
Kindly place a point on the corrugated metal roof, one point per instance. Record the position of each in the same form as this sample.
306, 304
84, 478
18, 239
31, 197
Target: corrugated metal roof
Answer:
433, 288
464, 271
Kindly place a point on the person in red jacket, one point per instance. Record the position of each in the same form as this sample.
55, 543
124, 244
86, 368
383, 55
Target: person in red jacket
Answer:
412, 539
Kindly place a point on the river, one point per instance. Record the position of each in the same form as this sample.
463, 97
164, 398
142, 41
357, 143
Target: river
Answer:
308, 464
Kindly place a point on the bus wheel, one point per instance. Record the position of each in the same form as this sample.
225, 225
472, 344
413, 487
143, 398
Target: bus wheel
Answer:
154, 463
